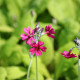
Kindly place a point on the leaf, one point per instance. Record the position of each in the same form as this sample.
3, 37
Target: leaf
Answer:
7, 49
48, 55
15, 72
33, 77
2, 18
12, 9
1, 2
73, 71
38, 5
61, 9
71, 29
3, 73
6, 28
41, 67
16, 56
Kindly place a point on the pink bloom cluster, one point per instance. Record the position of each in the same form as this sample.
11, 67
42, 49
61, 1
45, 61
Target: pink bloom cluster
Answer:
68, 55
38, 48
49, 31
31, 40
29, 36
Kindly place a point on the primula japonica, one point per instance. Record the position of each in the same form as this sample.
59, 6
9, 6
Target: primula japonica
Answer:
32, 39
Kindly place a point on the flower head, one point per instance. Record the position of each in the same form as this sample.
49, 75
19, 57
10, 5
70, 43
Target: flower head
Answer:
49, 31
38, 48
28, 36
79, 56
68, 55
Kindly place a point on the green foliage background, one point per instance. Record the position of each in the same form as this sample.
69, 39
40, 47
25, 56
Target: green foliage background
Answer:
14, 54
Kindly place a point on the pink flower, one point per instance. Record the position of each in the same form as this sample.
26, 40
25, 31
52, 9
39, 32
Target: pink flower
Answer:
38, 48
68, 55
49, 31
79, 56
29, 36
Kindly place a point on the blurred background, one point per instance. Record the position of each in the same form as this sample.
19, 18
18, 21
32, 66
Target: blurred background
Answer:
63, 15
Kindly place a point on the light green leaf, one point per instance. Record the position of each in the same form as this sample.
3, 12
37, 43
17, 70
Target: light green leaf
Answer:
71, 29
6, 28
48, 55
7, 49
62, 9
2, 18
3, 73
15, 72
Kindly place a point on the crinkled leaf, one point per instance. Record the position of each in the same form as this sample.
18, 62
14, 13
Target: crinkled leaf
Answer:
62, 9
48, 55
3, 73
9, 46
6, 28
15, 72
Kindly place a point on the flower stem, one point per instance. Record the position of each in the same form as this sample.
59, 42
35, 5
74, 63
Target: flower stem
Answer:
79, 66
29, 69
36, 67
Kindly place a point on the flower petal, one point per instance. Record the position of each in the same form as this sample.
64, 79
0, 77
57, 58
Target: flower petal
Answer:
38, 52
29, 41
32, 50
24, 37
43, 49
52, 31
79, 56
46, 28
33, 39
40, 43
49, 27
27, 30
49, 35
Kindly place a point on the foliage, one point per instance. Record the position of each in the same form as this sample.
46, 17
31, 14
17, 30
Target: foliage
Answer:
14, 54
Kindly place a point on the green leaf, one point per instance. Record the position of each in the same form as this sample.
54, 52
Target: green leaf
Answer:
3, 73
33, 77
38, 5
15, 72
1, 2
71, 29
48, 55
6, 28
16, 56
12, 9
41, 67
72, 73
62, 9
7, 49
2, 18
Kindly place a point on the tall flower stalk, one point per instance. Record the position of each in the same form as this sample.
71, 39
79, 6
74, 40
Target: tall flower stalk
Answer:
32, 39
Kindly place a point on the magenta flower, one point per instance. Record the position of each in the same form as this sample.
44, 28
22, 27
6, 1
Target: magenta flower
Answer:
38, 48
68, 55
49, 31
29, 37
79, 56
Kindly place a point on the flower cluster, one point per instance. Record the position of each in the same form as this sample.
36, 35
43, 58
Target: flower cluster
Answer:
68, 55
32, 38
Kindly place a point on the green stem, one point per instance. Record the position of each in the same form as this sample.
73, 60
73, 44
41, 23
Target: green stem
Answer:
36, 67
29, 69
